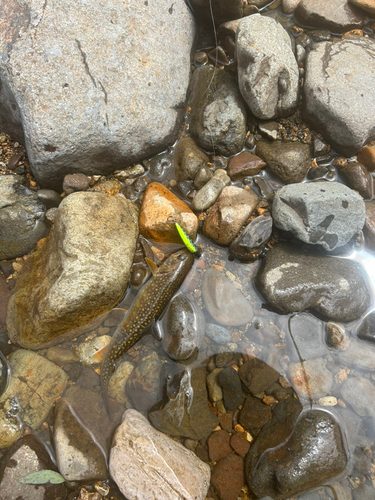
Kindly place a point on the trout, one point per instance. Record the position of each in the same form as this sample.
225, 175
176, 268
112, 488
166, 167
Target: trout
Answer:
147, 307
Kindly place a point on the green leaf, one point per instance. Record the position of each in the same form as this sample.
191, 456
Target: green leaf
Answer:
42, 477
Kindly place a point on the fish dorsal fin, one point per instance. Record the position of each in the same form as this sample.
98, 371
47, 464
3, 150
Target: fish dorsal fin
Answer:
151, 264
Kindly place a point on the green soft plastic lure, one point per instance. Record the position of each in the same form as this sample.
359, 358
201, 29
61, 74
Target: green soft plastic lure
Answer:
187, 241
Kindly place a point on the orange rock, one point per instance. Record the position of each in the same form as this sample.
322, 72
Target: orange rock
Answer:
366, 156
160, 210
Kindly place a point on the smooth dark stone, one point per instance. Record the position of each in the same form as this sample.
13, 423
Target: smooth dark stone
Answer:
317, 173
357, 177
158, 165
366, 330
186, 413
254, 415
228, 477
243, 165
218, 445
188, 159
184, 328
257, 375
293, 279
288, 162
232, 389
314, 454
76, 182
139, 275
49, 197
248, 245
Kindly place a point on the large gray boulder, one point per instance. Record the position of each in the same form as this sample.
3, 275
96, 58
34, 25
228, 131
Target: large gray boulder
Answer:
328, 214
267, 68
338, 96
92, 87
80, 273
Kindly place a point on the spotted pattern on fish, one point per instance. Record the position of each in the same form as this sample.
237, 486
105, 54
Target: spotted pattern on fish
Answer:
148, 305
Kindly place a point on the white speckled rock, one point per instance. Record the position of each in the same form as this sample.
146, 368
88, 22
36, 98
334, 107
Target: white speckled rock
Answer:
93, 86
80, 273
337, 99
328, 214
267, 67
148, 465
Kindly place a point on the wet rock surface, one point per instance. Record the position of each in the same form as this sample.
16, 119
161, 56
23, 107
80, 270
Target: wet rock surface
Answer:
144, 385
228, 477
160, 210
26, 456
147, 464
80, 272
36, 383
188, 158
22, 220
96, 110
82, 434
250, 242
185, 328
314, 453
288, 272
369, 227
267, 68
224, 302
232, 209
218, 113
186, 413
257, 375
244, 164
210, 192
366, 330
358, 178
306, 337
310, 378
328, 214
338, 16
289, 163
342, 114
359, 392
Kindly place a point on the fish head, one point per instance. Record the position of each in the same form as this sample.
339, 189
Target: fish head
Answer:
179, 262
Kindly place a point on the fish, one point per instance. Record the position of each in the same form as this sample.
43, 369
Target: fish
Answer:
147, 307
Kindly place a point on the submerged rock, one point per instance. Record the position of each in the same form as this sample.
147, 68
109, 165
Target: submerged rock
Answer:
336, 90
327, 214
105, 100
147, 464
186, 413
160, 210
357, 177
305, 338
81, 435
359, 392
228, 477
369, 227
310, 378
184, 328
22, 219
243, 165
292, 280
145, 383
232, 209
224, 302
80, 272
36, 383
267, 67
288, 162
218, 113
27, 456
366, 330
313, 454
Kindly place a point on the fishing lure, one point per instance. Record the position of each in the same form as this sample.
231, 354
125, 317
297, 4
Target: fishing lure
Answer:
187, 241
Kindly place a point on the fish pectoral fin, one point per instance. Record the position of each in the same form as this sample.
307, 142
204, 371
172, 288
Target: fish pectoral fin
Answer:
151, 264
154, 330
